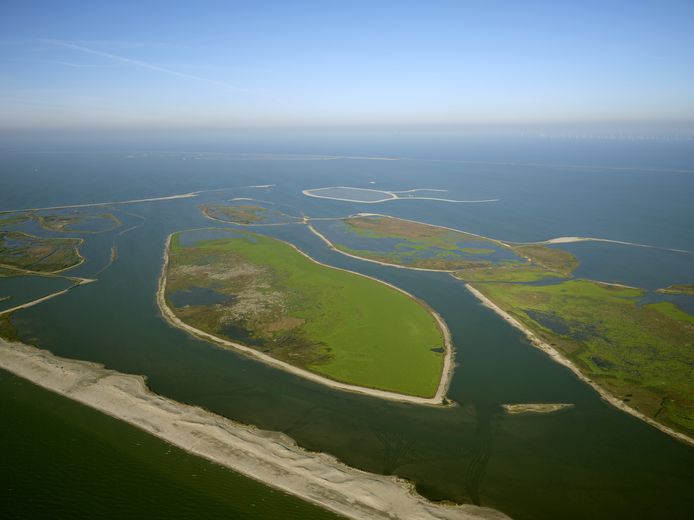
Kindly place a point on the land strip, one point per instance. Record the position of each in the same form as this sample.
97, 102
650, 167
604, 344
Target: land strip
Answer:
269, 457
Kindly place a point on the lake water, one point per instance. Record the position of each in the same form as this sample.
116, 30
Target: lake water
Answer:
588, 462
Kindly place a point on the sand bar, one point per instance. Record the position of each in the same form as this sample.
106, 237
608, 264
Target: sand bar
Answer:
269, 457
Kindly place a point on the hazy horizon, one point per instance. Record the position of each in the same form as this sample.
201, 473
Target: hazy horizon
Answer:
475, 67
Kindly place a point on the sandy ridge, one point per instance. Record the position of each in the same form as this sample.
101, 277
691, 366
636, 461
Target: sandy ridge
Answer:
78, 282
561, 359
390, 195
437, 400
95, 204
269, 457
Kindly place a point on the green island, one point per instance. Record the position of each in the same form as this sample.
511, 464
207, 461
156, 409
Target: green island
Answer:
79, 222
246, 214
28, 253
265, 294
424, 246
640, 353
687, 289
15, 219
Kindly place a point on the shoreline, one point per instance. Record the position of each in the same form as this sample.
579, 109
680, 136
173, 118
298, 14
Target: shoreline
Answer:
532, 337
271, 458
446, 370
558, 357
393, 195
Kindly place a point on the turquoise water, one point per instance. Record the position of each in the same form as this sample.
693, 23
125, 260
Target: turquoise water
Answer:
592, 461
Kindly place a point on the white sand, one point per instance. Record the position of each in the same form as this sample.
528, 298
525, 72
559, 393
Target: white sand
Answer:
269, 457
535, 408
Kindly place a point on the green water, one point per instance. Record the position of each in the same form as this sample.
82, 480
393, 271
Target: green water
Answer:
52, 445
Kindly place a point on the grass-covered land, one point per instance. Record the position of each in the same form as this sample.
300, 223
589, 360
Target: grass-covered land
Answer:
549, 258
246, 214
474, 258
643, 354
507, 271
639, 352
31, 253
263, 293
678, 289
9, 220
79, 222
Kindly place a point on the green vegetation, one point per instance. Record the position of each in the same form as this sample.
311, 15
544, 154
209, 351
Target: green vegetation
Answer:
246, 214
506, 271
643, 354
433, 247
421, 245
263, 293
79, 222
31, 253
678, 289
14, 220
549, 258
7, 329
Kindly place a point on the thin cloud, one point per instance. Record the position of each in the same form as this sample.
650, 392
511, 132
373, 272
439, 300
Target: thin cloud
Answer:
136, 63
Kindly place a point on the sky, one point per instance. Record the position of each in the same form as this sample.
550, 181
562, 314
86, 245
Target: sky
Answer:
235, 64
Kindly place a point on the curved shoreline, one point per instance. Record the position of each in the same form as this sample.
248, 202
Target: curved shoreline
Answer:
557, 356
534, 340
271, 458
446, 371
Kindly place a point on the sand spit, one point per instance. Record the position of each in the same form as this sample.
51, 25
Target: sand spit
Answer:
572, 240
96, 204
439, 399
560, 358
387, 195
269, 457
78, 282
535, 408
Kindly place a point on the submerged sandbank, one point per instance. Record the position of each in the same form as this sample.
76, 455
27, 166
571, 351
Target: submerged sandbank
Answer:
269, 457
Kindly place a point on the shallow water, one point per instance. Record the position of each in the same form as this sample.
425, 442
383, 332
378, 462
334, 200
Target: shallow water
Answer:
591, 461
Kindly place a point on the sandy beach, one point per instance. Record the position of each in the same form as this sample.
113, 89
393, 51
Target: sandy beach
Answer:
560, 358
269, 457
436, 400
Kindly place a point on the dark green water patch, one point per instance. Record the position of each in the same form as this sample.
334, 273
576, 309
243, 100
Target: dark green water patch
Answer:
62, 459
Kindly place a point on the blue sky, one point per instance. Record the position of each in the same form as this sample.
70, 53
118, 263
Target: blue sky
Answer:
233, 64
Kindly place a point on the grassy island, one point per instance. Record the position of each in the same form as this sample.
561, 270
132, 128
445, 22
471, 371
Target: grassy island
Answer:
265, 294
642, 354
246, 214
79, 222
687, 289
24, 252
395, 241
